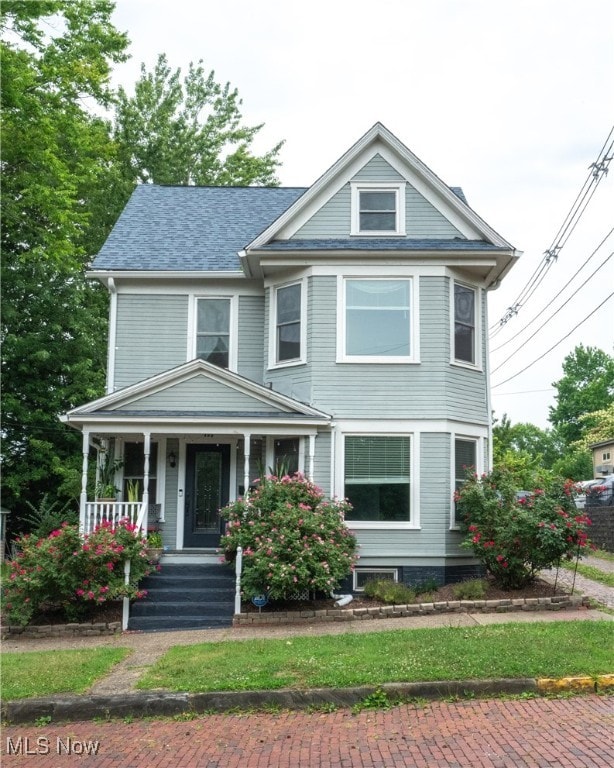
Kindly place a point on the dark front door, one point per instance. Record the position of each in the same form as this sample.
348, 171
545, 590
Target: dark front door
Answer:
207, 486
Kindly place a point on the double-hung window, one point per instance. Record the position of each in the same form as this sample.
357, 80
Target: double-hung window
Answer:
287, 318
464, 324
213, 330
378, 209
465, 458
377, 320
288, 323
377, 478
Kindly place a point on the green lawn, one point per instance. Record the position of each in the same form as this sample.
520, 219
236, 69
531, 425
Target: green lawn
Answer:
455, 653
39, 673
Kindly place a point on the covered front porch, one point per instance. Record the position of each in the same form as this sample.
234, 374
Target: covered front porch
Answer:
187, 442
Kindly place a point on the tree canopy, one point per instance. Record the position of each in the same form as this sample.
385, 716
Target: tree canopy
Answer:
188, 131
67, 174
586, 386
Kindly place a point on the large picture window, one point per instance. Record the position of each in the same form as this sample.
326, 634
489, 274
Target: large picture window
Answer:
378, 477
213, 331
464, 323
377, 319
288, 323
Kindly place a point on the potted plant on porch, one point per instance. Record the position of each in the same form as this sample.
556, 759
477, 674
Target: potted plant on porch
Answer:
106, 489
154, 546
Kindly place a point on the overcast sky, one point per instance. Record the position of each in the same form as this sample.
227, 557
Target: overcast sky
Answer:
512, 101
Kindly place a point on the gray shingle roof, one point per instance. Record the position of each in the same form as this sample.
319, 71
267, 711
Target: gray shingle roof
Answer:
166, 228
191, 228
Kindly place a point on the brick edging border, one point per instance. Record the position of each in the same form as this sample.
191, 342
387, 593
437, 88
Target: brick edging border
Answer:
555, 603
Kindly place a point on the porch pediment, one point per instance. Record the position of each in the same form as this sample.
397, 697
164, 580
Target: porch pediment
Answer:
195, 391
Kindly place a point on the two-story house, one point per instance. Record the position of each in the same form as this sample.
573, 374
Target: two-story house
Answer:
339, 329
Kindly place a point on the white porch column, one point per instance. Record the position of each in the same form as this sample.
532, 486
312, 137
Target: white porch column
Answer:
247, 438
147, 452
83, 500
312, 453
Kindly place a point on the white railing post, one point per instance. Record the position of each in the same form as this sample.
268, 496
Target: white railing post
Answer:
238, 569
247, 438
83, 499
146, 452
126, 602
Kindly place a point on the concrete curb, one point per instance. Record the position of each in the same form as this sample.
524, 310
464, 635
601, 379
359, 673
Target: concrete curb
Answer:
163, 704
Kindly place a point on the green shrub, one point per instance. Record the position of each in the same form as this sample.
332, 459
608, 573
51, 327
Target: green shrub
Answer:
425, 587
514, 539
293, 540
390, 592
67, 572
49, 516
473, 589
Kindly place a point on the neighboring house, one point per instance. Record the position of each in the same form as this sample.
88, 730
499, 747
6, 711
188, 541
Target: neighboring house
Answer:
603, 458
340, 330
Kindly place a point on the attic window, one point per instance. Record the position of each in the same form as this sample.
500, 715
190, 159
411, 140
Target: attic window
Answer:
378, 209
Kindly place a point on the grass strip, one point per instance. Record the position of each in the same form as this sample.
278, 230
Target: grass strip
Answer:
454, 653
603, 554
40, 673
591, 572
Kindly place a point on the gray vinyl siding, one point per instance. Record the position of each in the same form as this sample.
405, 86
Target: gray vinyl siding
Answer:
360, 390
199, 393
422, 219
407, 547
151, 336
376, 170
321, 462
332, 220
251, 334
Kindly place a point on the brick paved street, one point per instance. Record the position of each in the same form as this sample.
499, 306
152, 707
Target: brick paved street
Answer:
566, 733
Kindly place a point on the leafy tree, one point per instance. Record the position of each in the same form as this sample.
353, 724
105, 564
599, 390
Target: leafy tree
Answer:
599, 426
586, 386
188, 132
56, 158
574, 464
525, 451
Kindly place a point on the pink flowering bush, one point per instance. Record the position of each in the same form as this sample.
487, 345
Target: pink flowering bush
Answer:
514, 539
293, 540
67, 572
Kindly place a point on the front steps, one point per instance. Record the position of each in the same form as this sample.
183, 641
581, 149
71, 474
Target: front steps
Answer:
185, 596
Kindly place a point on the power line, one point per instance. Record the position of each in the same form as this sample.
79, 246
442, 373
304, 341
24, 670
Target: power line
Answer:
554, 346
597, 170
571, 279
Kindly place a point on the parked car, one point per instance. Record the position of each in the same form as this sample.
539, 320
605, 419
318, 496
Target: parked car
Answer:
601, 493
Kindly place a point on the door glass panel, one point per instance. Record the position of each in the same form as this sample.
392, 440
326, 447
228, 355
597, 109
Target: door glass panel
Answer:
207, 491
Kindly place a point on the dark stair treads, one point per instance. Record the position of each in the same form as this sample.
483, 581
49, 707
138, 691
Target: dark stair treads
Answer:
185, 597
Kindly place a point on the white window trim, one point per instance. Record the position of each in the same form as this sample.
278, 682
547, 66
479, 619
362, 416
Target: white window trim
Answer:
368, 186
477, 365
479, 468
414, 328
302, 359
233, 336
414, 480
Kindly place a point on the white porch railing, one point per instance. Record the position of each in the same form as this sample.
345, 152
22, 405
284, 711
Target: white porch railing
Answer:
97, 512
